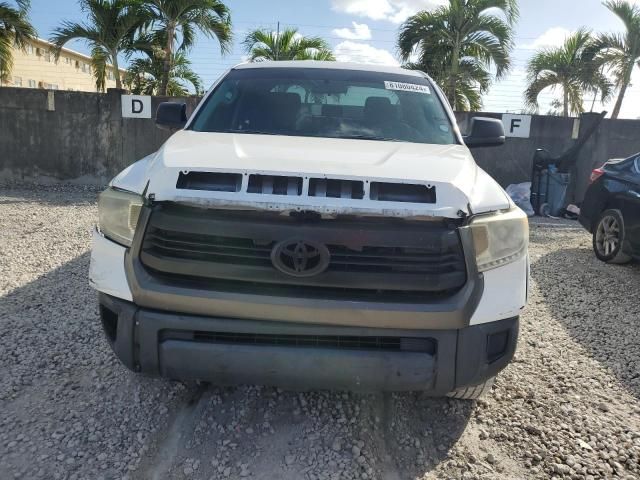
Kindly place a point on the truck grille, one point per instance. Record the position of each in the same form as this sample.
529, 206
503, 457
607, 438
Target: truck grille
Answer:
233, 251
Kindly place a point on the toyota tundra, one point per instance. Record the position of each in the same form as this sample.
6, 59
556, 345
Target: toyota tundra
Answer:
314, 225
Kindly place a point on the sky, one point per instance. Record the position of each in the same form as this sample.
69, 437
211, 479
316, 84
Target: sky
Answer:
365, 31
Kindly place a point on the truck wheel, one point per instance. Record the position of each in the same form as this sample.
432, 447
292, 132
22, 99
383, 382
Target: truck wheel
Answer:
474, 392
608, 237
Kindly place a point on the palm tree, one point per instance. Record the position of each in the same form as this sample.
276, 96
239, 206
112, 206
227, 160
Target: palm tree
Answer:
144, 76
180, 19
287, 45
459, 43
571, 67
15, 29
621, 52
473, 79
109, 30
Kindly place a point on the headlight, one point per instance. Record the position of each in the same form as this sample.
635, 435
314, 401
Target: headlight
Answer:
500, 238
118, 213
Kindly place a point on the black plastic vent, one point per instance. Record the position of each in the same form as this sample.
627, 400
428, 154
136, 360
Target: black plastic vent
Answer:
402, 192
424, 345
275, 185
333, 188
212, 181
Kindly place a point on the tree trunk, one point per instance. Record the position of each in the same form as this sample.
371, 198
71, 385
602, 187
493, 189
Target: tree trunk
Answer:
116, 72
623, 91
168, 55
453, 80
565, 103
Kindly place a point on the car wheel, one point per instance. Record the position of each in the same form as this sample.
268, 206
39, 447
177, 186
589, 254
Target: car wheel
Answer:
472, 393
608, 238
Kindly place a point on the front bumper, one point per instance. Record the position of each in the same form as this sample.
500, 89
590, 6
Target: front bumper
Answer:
302, 356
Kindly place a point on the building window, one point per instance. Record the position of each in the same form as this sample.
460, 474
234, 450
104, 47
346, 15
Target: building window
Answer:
67, 60
110, 75
52, 86
47, 56
17, 81
30, 49
32, 84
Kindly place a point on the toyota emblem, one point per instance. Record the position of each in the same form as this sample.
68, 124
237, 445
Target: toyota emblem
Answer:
300, 258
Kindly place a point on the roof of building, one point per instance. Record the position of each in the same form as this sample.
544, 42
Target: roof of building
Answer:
73, 52
332, 65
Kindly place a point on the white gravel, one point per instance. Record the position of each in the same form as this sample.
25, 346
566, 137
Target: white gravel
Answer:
568, 407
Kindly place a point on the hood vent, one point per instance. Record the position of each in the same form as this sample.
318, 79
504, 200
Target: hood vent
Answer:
317, 187
402, 192
333, 188
275, 185
211, 181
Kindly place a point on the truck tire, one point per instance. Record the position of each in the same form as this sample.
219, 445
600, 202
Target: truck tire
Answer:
474, 392
608, 237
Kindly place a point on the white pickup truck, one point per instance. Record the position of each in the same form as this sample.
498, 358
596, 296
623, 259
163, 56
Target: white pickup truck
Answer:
314, 225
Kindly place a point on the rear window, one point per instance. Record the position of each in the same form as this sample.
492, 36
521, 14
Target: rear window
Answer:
330, 103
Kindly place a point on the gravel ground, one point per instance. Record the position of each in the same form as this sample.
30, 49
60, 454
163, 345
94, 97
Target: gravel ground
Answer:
567, 407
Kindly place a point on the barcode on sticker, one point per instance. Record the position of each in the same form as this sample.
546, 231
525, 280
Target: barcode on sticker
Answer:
406, 87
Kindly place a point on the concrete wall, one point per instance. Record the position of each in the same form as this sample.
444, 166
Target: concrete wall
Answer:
85, 139
512, 162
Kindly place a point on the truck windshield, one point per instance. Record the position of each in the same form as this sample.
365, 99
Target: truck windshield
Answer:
330, 103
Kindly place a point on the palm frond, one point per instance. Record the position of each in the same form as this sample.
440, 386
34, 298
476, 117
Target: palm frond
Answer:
99, 61
459, 43
15, 29
263, 45
109, 28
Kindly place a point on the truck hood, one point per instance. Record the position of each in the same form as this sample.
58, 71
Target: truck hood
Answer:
461, 186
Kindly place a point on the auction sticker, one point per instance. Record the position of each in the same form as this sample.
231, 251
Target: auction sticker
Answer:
407, 87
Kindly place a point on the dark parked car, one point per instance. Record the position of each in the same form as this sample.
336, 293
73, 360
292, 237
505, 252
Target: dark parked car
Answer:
611, 210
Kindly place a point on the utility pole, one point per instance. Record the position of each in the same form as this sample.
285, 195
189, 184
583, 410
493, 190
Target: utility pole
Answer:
278, 41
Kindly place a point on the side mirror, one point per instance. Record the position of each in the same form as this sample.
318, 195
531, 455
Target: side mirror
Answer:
485, 132
171, 116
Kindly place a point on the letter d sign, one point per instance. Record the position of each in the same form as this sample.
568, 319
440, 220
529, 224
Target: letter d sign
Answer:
136, 106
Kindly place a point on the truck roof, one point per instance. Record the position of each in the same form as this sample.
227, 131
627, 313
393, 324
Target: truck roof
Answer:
331, 65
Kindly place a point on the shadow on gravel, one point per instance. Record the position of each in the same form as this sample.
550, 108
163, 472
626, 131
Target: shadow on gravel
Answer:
312, 434
52, 195
421, 431
62, 392
599, 306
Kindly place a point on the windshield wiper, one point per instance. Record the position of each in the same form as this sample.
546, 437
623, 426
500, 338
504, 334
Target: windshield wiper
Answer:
251, 132
369, 137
